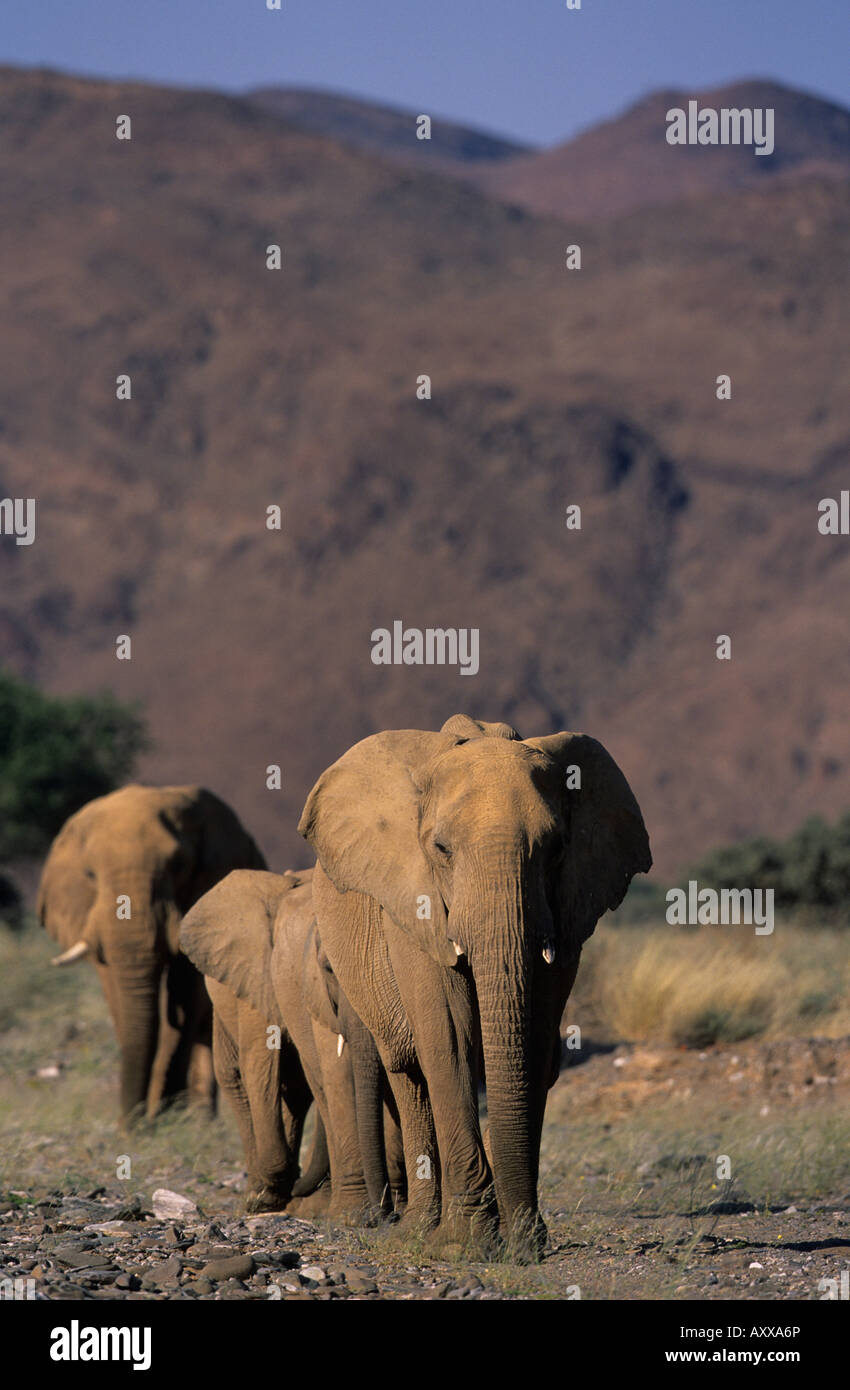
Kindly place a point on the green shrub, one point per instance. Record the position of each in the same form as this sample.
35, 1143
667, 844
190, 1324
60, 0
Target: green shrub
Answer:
808, 871
55, 755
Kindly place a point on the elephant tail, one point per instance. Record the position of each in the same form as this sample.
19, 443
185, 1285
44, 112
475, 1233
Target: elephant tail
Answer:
318, 1168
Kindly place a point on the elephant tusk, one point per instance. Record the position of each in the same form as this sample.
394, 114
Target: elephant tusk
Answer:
549, 953
458, 950
76, 952
340, 1044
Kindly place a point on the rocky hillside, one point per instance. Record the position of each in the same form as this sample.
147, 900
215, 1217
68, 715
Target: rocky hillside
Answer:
386, 131
253, 388
627, 163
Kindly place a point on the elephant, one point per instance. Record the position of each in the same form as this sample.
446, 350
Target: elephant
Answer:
118, 878
459, 874
284, 1033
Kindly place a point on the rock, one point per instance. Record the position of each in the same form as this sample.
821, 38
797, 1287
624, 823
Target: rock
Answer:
314, 1272
78, 1259
128, 1281
471, 1281
357, 1282
234, 1267
201, 1287
116, 1229
170, 1205
167, 1272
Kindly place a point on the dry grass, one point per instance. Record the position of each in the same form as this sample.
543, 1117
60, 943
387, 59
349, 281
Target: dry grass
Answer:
715, 984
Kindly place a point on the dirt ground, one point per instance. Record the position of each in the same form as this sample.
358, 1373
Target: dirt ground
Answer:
634, 1187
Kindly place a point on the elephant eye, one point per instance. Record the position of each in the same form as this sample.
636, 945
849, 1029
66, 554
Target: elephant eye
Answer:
442, 849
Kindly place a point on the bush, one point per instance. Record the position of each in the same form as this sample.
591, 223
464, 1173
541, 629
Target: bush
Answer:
11, 904
55, 755
808, 871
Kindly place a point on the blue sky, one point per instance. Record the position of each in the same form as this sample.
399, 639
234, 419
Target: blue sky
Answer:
527, 68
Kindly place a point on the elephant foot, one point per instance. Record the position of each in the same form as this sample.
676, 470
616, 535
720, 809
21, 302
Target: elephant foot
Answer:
524, 1243
467, 1234
410, 1228
267, 1199
314, 1204
349, 1210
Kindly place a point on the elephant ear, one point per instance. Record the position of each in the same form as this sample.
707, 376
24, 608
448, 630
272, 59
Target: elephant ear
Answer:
606, 839
362, 819
228, 934
67, 890
218, 842
463, 726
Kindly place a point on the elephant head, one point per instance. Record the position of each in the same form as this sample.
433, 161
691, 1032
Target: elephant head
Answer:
116, 882
497, 855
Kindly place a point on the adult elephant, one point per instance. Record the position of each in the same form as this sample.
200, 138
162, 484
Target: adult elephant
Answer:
118, 878
283, 1033
460, 873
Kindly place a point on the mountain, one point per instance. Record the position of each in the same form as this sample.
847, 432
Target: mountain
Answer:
254, 388
385, 131
627, 163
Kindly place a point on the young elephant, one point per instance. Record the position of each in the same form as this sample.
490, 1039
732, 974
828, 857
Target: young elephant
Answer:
282, 1030
116, 882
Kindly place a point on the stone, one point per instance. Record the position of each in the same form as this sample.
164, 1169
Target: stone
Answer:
357, 1282
233, 1267
201, 1287
170, 1205
78, 1259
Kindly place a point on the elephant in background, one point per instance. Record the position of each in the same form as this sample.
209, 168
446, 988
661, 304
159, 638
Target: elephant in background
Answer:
283, 1032
118, 878
459, 874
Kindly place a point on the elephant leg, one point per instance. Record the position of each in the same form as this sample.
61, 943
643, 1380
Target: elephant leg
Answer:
200, 1076
351, 927
226, 1064
295, 1100
180, 1005
394, 1150
546, 1044
438, 1003
369, 1108
350, 1201
421, 1160
261, 1068
201, 1082
317, 1171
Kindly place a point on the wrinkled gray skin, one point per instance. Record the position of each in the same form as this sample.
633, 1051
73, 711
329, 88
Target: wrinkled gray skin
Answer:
161, 848
459, 874
255, 938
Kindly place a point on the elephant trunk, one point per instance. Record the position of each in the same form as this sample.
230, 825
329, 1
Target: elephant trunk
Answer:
501, 969
135, 955
318, 1167
138, 993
